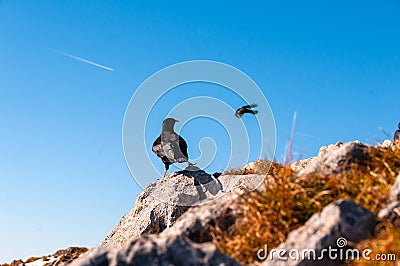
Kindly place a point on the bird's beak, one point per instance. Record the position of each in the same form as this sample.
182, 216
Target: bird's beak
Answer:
176, 120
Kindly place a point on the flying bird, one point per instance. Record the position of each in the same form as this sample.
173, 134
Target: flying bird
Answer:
169, 146
246, 109
397, 134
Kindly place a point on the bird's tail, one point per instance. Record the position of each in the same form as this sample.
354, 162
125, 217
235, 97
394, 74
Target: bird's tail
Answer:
253, 105
255, 112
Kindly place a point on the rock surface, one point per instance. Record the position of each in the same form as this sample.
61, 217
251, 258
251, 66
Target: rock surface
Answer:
173, 219
301, 165
387, 143
164, 201
152, 250
186, 243
391, 212
395, 190
60, 257
336, 158
340, 224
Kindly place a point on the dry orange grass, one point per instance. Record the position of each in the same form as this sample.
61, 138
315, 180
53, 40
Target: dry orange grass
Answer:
384, 248
289, 201
259, 167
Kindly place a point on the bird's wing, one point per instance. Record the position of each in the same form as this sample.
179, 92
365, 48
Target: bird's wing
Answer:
157, 147
249, 106
163, 149
156, 144
183, 147
250, 111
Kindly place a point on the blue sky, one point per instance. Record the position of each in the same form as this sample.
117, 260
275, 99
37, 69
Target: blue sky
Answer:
63, 176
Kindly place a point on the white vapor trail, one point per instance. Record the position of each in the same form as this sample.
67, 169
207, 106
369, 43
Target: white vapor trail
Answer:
84, 60
302, 134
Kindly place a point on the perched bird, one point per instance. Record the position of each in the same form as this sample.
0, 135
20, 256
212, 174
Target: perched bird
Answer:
397, 134
246, 109
169, 146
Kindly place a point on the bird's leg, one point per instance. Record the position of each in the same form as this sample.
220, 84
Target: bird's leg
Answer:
166, 169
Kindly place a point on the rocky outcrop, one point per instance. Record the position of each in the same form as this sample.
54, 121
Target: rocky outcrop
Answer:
188, 242
164, 201
183, 207
336, 158
175, 218
301, 165
338, 226
152, 250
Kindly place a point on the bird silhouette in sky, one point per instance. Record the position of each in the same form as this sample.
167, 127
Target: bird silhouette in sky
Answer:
246, 109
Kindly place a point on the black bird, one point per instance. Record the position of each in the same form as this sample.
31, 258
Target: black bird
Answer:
397, 134
169, 146
246, 109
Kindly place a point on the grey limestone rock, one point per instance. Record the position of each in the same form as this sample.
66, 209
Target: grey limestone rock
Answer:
337, 158
391, 212
395, 190
164, 201
188, 242
339, 225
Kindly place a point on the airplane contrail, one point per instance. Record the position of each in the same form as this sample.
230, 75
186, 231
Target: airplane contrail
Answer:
84, 60
302, 134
